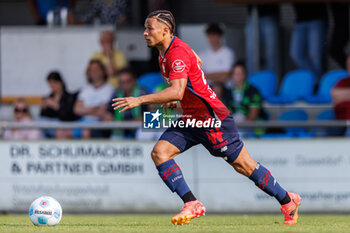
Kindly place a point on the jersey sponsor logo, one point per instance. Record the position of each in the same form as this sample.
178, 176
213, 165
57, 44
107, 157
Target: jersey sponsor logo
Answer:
178, 66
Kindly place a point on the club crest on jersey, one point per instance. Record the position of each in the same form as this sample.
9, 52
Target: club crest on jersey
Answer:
178, 66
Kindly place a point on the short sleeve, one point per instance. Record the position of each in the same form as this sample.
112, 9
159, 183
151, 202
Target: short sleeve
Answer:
179, 64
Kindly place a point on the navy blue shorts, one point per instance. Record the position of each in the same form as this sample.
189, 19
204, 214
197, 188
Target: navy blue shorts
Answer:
222, 142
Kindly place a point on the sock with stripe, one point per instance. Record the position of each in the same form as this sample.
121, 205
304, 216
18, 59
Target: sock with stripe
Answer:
172, 176
267, 183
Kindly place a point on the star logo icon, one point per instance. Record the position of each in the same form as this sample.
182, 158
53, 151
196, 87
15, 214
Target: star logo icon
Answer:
151, 120
156, 115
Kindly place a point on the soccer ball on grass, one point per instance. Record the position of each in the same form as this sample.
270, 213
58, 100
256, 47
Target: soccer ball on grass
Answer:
45, 211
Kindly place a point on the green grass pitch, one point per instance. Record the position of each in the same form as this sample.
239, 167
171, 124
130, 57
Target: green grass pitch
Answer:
161, 223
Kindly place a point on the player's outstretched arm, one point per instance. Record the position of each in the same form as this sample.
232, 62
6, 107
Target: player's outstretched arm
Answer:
174, 92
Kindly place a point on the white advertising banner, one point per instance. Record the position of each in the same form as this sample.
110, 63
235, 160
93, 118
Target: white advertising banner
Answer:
119, 176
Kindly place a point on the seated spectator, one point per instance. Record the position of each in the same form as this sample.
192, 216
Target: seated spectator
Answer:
128, 87
41, 8
218, 59
22, 114
244, 100
112, 59
93, 99
58, 106
106, 12
341, 97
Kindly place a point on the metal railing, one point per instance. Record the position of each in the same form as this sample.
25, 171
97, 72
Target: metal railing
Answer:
138, 124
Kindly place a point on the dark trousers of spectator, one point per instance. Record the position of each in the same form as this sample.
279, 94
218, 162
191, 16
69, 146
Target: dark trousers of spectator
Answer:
340, 35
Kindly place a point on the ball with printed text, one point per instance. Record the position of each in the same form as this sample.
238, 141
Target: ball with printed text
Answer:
45, 211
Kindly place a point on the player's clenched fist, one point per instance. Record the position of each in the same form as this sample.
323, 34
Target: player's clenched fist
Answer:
125, 103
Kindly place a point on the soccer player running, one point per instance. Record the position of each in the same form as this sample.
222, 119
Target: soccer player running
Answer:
180, 66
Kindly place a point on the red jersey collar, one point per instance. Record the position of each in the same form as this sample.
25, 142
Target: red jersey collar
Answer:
171, 42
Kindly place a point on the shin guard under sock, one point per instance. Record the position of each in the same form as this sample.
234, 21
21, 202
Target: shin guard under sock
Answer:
267, 183
172, 176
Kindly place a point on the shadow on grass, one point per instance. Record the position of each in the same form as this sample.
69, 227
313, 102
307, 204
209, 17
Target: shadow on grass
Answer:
13, 225
105, 225
79, 225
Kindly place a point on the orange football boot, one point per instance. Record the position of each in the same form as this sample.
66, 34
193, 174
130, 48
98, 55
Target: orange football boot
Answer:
192, 209
290, 210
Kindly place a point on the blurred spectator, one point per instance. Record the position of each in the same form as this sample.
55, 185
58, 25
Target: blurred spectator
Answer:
268, 15
41, 9
21, 111
309, 37
106, 12
341, 96
340, 34
112, 59
93, 99
244, 100
218, 59
128, 87
58, 106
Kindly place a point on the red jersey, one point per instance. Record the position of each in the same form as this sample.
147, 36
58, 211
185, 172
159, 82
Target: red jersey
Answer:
199, 100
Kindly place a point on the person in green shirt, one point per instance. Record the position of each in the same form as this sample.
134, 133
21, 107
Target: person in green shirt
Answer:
128, 87
243, 99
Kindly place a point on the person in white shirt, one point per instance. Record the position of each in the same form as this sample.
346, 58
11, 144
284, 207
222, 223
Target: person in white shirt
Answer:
218, 59
93, 99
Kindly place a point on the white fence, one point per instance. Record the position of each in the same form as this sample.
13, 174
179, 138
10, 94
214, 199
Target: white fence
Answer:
119, 176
